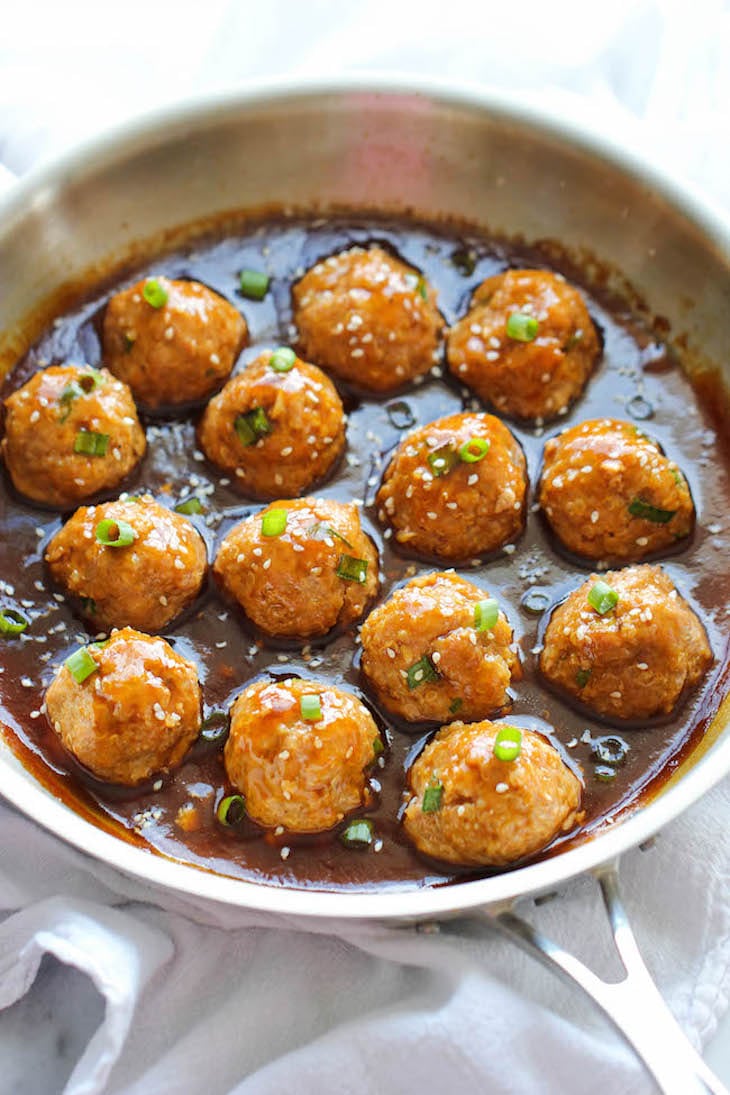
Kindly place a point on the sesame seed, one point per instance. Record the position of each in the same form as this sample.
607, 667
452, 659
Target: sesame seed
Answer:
267, 564
284, 853
501, 788
594, 516
214, 359
472, 480
163, 599
169, 333
26, 682
157, 785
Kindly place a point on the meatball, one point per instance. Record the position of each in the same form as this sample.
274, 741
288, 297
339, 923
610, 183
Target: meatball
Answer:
609, 492
439, 645
527, 345
173, 342
298, 752
299, 568
70, 432
132, 563
278, 426
126, 709
368, 318
469, 807
455, 488
625, 644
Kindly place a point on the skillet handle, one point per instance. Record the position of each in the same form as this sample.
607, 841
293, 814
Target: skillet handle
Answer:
634, 1004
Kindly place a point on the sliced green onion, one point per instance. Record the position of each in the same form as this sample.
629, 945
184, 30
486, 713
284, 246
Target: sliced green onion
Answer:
572, 341
189, 506
639, 508
320, 530
465, 260
400, 414
252, 426
432, 797
154, 293
474, 450
254, 284
273, 522
231, 810
421, 288
610, 749
508, 743
214, 728
351, 569
604, 773
521, 327
442, 460
602, 597
456, 705
486, 614
81, 665
535, 601
582, 677
421, 672
282, 360
378, 746
82, 385
91, 444
310, 707
115, 533
12, 622
358, 834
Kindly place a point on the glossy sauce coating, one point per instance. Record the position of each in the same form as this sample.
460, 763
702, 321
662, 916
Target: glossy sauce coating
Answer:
635, 375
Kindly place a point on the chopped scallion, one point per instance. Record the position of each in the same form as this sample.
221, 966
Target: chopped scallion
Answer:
486, 614
252, 426
456, 705
610, 749
282, 360
378, 746
400, 415
433, 797
231, 810
80, 664
273, 522
320, 530
421, 672
604, 772
89, 443
115, 533
421, 288
582, 677
639, 508
155, 293
474, 450
12, 622
351, 569
189, 506
522, 327
602, 597
465, 260
358, 834
254, 284
310, 707
442, 460
508, 743
214, 728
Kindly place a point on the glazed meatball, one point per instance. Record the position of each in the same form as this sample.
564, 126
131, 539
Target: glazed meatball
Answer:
173, 342
455, 488
625, 644
368, 318
131, 563
135, 713
300, 767
278, 426
469, 807
70, 432
438, 646
527, 345
299, 568
609, 492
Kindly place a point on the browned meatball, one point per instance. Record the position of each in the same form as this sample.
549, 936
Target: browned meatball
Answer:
626, 644
144, 583
527, 345
135, 714
455, 488
472, 808
298, 768
439, 646
173, 342
609, 492
70, 432
300, 568
368, 318
277, 431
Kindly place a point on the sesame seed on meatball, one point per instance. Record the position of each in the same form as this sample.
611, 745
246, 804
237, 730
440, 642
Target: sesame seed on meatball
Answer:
439, 645
131, 563
278, 426
626, 644
368, 318
469, 807
298, 767
527, 345
173, 342
135, 713
455, 488
70, 432
609, 492
300, 567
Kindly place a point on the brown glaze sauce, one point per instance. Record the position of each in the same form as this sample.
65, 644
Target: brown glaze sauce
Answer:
638, 376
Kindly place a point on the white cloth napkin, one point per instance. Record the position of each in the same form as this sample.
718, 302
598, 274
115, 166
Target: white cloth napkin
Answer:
204, 998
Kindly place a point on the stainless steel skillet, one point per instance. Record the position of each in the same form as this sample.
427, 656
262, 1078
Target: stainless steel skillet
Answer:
386, 144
